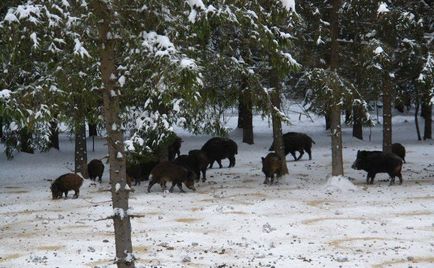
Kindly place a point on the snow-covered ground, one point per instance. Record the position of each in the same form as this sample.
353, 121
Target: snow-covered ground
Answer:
233, 220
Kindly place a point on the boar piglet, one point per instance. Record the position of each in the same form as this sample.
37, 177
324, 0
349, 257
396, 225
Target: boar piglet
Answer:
65, 183
169, 172
375, 162
271, 165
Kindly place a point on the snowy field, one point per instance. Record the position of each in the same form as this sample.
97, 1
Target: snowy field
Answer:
233, 220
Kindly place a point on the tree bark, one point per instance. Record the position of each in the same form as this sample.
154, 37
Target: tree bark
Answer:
387, 115
92, 130
240, 109
247, 115
357, 122
416, 119
277, 122
80, 147
115, 139
25, 141
54, 135
335, 114
427, 133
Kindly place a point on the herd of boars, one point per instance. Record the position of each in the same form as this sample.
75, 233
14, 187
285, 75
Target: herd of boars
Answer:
187, 169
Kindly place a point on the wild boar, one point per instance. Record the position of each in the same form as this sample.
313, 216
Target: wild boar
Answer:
399, 150
271, 165
66, 183
202, 162
375, 162
174, 148
218, 148
169, 172
293, 142
95, 169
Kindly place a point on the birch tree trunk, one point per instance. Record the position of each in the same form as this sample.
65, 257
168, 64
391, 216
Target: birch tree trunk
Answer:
80, 147
387, 115
335, 114
115, 139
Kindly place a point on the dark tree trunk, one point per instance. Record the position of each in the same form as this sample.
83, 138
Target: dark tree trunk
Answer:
115, 138
348, 114
277, 122
1, 129
327, 120
92, 130
240, 110
26, 141
387, 115
357, 122
427, 133
335, 115
416, 119
54, 135
247, 114
80, 147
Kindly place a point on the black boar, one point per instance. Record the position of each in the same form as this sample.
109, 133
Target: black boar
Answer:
65, 183
95, 169
169, 172
399, 150
271, 165
218, 148
140, 171
202, 162
294, 141
375, 162
174, 148
189, 162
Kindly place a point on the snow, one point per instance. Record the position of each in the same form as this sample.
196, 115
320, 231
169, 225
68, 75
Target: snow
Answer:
10, 18
187, 63
5, 94
79, 49
34, 40
233, 219
378, 50
117, 187
383, 8
288, 4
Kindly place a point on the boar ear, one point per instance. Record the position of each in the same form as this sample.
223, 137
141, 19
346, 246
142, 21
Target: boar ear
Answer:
262, 159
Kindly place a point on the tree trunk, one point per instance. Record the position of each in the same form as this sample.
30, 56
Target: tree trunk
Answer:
327, 120
427, 133
348, 113
387, 115
80, 147
1, 129
115, 139
357, 122
240, 109
25, 141
92, 130
335, 114
277, 123
54, 135
416, 119
247, 115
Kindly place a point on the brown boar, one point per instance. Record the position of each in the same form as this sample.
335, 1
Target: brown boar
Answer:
95, 169
202, 162
65, 183
271, 165
169, 172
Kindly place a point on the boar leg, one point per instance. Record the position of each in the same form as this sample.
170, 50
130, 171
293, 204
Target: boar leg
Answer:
293, 155
211, 162
309, 152
179, 184
272, 179
266, 180
66, 194
171, 188
76, 193
301, 154
219, 161
372, 178
204, 175
100, 180
231, 161
151, 183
